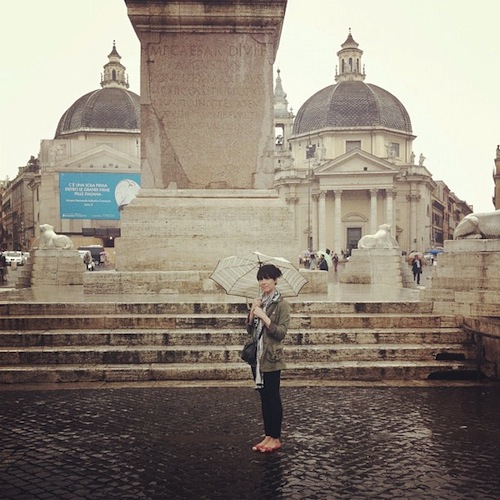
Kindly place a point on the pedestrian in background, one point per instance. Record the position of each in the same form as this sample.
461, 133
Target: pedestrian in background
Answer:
268, 323
335, 262
416, 268
3, 268
313, 262
322, 264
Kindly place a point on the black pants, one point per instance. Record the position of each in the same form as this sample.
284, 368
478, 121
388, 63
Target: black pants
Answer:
416, 276
272, 409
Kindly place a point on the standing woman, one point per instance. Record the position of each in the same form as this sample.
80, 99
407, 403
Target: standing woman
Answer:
268, 322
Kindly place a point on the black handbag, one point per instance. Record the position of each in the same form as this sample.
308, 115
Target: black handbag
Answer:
249, 352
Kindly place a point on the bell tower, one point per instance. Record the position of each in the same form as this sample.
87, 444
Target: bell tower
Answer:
349, 67
283, 127
114, 71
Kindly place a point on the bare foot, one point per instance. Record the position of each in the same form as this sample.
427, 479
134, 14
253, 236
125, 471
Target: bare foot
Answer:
271, 445
261, 444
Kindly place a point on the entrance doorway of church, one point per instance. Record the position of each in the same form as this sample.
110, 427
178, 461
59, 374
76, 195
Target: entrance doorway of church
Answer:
353, 236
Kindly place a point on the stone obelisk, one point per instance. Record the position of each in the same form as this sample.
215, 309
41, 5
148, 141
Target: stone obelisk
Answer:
207, 136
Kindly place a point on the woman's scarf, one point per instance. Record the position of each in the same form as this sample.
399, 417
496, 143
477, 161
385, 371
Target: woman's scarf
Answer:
267, 300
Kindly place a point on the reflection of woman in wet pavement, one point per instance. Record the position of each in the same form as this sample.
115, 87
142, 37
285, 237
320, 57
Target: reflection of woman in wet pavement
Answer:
268, 322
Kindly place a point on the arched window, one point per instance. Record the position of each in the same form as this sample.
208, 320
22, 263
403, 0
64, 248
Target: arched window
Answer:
113, 75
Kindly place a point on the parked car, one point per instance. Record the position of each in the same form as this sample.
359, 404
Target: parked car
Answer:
12, 256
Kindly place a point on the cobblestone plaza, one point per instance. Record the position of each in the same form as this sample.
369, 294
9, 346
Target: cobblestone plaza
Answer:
339, 441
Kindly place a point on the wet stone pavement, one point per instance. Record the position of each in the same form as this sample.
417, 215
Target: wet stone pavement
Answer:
195, 443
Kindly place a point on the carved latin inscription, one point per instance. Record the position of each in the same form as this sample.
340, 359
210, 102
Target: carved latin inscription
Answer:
210, 97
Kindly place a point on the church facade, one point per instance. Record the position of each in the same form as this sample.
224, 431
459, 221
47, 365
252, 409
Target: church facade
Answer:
91, 169
345, 164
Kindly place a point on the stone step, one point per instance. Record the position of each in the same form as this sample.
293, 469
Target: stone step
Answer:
338, 370
167, 308
179, 337
96, 355
117, 341
221, 321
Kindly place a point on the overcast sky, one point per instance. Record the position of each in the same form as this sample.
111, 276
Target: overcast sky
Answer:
440, 58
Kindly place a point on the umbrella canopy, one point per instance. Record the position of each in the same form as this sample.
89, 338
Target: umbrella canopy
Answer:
327, 257
435, 251
413, 254
238, 275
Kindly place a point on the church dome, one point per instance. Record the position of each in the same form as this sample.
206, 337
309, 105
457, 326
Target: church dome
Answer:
105, 109
112, 108
351, 102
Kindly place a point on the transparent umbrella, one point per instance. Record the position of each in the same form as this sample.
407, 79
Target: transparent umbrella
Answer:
237, 275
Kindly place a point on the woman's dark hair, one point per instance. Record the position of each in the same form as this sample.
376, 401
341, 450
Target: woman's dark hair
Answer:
268, 271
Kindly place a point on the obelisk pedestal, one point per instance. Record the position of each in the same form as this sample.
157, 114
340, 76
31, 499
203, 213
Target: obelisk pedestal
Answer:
207, 138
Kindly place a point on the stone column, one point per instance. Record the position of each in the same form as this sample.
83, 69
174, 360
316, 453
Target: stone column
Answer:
292, 202
337, 225
413, 199
373, 211
322, 220
207, 91
315, 222
389, 210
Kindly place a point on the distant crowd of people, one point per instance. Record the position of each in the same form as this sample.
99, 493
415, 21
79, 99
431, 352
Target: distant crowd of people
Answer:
319, 260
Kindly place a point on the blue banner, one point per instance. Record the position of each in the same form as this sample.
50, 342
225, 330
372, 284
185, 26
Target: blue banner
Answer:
97, 196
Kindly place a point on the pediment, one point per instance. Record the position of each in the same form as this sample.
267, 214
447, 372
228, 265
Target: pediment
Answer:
100, 157
357, 162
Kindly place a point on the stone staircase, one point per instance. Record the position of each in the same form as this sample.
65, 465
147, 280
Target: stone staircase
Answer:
117, 342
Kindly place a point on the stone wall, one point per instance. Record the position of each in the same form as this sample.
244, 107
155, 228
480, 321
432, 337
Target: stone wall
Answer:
377, 266
56, 268
191, 230
466, 283
177, 283
466, 280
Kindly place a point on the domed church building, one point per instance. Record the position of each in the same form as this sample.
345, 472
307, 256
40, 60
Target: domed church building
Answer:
347, 165
91, 169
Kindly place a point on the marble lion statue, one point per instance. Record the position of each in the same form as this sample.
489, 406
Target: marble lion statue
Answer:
483, 225
381, 239
50, 240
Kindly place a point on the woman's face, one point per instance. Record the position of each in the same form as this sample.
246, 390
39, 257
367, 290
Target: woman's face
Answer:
267, 285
